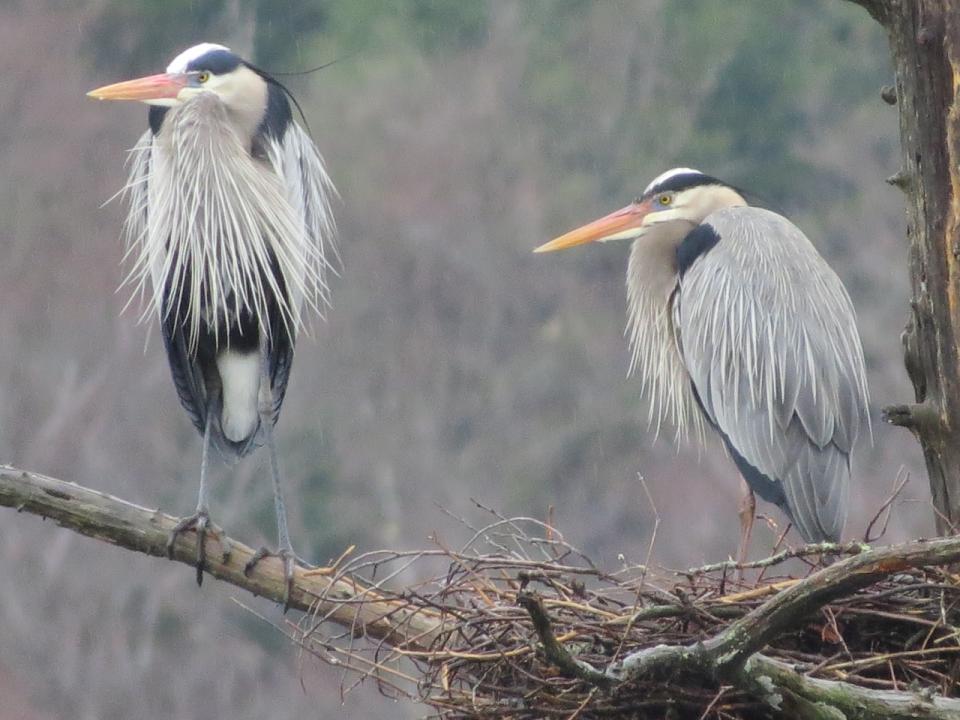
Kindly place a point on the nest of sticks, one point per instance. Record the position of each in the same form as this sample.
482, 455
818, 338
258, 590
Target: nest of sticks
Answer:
528, 627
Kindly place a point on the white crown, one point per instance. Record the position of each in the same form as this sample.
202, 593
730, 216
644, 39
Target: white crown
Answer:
180, 62
663, 177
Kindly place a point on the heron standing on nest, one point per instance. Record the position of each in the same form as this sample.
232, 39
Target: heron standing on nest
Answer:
231, 238
736, 322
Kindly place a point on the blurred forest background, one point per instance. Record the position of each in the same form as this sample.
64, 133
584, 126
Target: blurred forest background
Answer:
454, 363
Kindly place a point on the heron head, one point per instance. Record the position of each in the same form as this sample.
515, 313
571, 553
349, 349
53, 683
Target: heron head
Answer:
204, 68
673, 204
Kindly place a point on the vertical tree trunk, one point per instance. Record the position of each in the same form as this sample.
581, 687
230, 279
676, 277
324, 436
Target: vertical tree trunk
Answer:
925, 43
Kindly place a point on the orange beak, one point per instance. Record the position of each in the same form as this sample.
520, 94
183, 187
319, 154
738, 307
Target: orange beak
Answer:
153, 87
620, 225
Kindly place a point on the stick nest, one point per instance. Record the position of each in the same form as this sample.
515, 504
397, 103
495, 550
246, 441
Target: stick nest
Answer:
529, 627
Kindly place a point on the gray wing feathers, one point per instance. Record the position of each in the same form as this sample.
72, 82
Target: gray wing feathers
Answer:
309, 189
768, 336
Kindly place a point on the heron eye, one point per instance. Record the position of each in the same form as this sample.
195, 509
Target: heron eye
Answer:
203, 76
665, 199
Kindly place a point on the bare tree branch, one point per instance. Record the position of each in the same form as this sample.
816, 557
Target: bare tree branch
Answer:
133, 527
727, 653
822, 548
731, 657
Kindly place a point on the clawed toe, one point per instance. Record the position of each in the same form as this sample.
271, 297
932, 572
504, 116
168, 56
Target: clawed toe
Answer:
289, 560
200, 523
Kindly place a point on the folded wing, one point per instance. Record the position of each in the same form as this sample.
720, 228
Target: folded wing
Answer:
768, 335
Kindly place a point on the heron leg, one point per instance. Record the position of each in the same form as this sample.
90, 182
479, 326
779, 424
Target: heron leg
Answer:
200, 520
747, 512
284, 547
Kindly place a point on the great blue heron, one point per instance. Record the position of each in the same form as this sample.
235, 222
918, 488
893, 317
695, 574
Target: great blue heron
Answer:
231, 236
735, 321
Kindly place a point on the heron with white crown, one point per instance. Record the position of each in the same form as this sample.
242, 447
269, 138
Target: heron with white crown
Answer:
230, 239
738, 324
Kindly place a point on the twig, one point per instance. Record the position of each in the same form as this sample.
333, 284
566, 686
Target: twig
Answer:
646, 564
716, 698
876, 659
776, 548
823, 548
586, 701
903, 477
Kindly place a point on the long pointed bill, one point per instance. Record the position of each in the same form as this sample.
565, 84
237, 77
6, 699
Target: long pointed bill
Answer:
623, 224
154, 87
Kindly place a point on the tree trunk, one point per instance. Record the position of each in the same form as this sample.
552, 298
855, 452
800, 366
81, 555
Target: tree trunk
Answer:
925, 43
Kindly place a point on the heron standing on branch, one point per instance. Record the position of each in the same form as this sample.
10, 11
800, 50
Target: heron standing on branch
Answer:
231, 238
736, 322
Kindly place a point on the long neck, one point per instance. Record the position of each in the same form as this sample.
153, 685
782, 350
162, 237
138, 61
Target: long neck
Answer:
221, 236
651, 281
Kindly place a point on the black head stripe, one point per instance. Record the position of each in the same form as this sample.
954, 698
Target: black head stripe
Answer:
279, 100
219, 62
155, 116
278, 115
683, 181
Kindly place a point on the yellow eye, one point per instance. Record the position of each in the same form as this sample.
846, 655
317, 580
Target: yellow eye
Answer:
665, 199
203, 76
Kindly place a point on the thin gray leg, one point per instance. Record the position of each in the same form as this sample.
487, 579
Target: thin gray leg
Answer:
747, 512
285, 548
200, 520
203, 500
283, 532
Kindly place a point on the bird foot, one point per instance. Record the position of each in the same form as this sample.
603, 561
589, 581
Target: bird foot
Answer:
289, 560
200, 523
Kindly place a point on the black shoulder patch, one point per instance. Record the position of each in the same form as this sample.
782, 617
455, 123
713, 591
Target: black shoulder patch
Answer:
155, 117
219, 62
278, 114
698, 242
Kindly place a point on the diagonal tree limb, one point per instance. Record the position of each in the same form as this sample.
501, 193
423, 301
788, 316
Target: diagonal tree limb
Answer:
726, 654
104, 517
731, 648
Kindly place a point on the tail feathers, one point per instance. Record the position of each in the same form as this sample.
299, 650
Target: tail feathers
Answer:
817, 489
